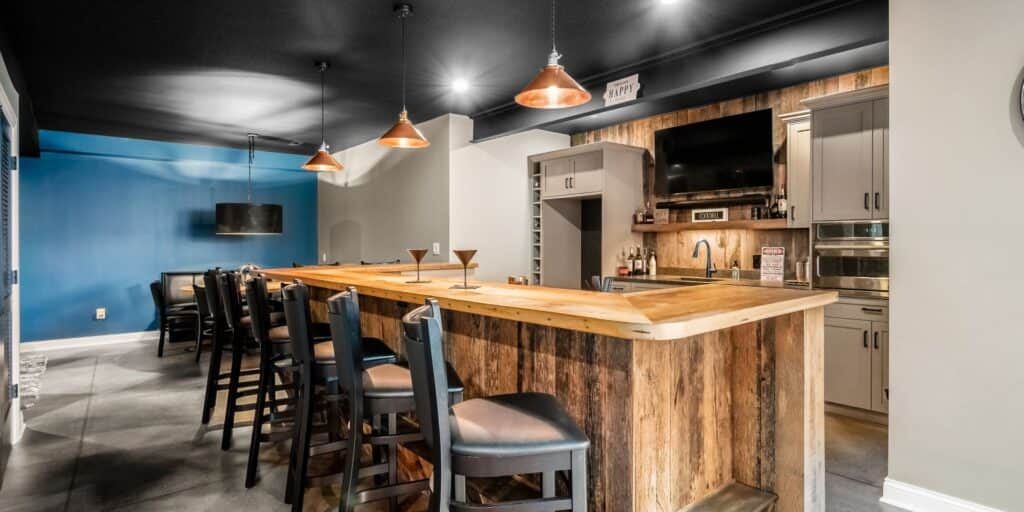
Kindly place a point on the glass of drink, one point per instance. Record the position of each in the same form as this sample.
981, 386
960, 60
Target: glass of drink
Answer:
418, 254
465, 256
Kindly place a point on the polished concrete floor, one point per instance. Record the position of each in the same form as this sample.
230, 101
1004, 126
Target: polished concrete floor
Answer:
118, 429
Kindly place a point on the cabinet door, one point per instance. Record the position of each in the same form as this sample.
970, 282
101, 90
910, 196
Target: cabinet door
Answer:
798, 174
848, 362
587, 173
880, 156
557, 174
880, 367
842, 162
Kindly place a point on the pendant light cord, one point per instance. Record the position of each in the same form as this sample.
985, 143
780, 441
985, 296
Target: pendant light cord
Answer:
553, 45
323, 106
404, 64
252, 158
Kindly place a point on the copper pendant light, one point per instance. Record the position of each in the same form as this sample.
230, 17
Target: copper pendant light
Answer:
403, 134
553, 87
322, 160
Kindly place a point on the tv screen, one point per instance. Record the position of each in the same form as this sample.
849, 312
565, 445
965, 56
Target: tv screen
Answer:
728, 153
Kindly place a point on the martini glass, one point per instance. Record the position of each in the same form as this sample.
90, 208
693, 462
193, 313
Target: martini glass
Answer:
418, 254
465, 256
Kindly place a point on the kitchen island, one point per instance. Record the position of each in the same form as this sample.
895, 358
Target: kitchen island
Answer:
683, 392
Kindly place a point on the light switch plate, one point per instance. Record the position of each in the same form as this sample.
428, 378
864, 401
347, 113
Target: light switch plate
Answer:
101, 313
437, 248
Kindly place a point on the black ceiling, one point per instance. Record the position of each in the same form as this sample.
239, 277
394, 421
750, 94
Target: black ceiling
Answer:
211, 71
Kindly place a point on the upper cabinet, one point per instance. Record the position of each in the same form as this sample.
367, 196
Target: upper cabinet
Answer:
576, 175
798, 168
850, 155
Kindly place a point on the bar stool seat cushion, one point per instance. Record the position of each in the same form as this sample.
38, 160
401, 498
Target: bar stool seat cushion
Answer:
513, 425
375, 351
395, 381
319, 331
275, 319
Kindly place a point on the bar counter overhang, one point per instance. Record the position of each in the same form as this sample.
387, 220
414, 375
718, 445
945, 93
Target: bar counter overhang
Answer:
682, 391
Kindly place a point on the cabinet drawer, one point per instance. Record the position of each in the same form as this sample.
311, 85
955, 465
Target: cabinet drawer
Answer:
871, 311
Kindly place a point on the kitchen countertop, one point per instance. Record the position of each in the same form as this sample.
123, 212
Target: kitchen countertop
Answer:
719, 279
664, 314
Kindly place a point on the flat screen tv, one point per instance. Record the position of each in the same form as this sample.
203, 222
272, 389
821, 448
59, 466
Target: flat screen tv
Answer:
723, 154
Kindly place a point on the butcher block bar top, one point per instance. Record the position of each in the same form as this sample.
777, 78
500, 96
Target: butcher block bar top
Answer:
650, 315
704, 397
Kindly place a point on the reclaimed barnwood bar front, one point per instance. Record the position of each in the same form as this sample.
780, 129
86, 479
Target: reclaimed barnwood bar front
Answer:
684, 392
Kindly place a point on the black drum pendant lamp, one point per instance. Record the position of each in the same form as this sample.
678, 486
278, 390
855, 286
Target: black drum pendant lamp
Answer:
249, 218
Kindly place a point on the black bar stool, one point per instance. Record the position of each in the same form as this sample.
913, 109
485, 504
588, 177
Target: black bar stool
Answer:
316, 368
374, 392
239, 332
275, 361
170, 317
501, 435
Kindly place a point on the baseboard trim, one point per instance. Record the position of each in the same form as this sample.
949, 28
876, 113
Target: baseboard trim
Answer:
89, 341
919, 499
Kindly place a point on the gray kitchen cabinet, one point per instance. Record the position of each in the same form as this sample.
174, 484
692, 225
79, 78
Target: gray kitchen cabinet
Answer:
842, 162
798, 168
557, 174
857, 353
577, 175
880, 177
880, 367
848, 362
850, 155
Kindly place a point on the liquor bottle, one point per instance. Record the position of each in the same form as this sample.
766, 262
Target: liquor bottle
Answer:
774, 209
648, 214
638, 216
643, 260
783, 205
631, 262
652, 265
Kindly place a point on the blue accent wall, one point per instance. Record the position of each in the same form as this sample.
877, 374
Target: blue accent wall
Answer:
101, 217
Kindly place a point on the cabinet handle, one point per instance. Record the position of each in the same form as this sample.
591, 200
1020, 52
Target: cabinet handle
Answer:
865, 339
877, 311
565, 183
876, 340
886, 393
878, 201
792, 212
867, 201
572, 181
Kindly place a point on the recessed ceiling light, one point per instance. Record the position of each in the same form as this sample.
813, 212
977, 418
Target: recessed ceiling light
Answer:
669, 2
460, 85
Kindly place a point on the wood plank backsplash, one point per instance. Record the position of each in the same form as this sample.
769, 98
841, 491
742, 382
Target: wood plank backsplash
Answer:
674, 249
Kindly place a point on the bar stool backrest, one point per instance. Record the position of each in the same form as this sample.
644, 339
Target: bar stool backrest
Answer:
158, 296
296, 314
422, 335
348, 340
259, 309
212, 290
230, 297
202, 304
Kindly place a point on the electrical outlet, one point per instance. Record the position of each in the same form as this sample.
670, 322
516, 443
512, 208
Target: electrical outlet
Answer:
101, 313
437, 248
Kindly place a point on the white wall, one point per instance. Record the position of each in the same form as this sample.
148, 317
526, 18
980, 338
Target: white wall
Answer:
489, 194
386, 200
957, 174
457, 193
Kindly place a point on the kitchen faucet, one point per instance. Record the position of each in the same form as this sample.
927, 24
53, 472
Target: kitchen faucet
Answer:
709, 267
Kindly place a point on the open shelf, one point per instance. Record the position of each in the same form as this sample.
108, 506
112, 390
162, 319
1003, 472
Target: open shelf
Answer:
695, 226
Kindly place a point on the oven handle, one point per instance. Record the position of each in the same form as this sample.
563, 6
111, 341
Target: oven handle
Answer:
817, 265
851, 247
